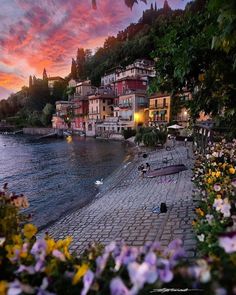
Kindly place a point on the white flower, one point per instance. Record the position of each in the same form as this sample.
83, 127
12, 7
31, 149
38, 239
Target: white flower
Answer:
218, 204
201, 237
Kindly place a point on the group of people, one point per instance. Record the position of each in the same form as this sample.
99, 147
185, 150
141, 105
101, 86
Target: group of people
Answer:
144, 168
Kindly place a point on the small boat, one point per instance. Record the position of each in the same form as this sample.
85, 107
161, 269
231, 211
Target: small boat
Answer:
172, 169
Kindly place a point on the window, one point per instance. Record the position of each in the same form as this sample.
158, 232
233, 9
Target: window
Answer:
104, 117
96, 109
104, 108
164, 102
155, 103
104, 101
90, 127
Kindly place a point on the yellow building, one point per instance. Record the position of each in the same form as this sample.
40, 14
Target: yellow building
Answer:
159, 109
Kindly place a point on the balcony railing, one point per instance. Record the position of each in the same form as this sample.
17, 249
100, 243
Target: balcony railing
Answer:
158, 106
125, 105
142, 104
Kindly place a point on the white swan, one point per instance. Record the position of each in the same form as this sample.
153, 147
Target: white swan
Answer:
99, 182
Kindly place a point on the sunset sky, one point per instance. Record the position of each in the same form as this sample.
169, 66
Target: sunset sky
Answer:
46, 33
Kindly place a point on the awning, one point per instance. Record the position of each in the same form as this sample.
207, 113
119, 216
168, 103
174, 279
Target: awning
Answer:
163, 112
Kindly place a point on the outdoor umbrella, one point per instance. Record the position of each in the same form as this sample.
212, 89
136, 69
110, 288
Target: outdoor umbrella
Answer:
175, 127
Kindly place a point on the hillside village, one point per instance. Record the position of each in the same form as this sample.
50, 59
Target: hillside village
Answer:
120, 103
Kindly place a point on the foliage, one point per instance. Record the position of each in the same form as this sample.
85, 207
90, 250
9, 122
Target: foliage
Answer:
150, 136
214, 176
128, 133
47, 113
46, 266
186, 59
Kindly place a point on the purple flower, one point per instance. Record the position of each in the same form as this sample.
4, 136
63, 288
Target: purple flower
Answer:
42, 289
151, 258
111, 247
101, 262
39, 249
217, 187
225, 208
14, 288
164, 272
141, 273
39, 266
117, 287
28, 269
58, 254
130, 255
233, 182
87, 280
228, 243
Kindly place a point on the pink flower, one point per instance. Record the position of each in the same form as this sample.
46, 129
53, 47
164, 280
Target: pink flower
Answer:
225, 208
117, 287
217, 187
217, 204
56, 253
228, 243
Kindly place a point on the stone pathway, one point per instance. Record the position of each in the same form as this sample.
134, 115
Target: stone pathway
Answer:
123, 208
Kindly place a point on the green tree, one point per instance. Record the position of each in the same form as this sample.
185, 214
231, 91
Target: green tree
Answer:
47, 113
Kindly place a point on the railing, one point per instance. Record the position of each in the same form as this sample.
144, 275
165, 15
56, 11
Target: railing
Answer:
125, 105
158, 106
142, 104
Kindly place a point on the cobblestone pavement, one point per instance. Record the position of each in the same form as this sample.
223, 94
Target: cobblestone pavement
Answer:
123, 208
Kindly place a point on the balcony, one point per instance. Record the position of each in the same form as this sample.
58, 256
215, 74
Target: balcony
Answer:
158, 106
125, 105
142, 104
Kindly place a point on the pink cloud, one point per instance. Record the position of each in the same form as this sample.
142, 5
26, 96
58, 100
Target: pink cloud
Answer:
48, 33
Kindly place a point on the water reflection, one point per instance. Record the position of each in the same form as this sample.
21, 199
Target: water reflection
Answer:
56, 175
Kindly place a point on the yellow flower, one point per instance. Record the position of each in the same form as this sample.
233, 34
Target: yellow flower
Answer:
194, 223
200, 212
50, 245
213, 174
218, 196
209, 180
29, 230
3, 287
218, 174
231, 170
11, 250
17, 239
80, 273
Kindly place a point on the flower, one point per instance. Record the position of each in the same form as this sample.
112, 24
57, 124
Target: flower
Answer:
39, 249
231, 170
29, 230
81, 270
201, 271
58, 254
87, 280
218, 204
217, 187
117, 287
3, 287
2, 241
228, 243
209, 218
138, 273
164, 272
200, 212
233, 182
225, 208
14, 288
201, 237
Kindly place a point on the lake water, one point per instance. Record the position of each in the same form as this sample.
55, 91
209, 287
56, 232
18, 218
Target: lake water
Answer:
57, 176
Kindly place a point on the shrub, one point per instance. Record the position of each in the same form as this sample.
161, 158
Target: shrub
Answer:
128, 133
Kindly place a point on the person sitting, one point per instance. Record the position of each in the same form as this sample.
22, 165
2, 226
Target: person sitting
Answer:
148, 167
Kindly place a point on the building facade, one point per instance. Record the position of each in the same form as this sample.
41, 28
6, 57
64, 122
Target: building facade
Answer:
159, 109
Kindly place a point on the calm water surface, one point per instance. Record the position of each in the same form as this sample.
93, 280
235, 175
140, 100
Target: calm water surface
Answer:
57, 176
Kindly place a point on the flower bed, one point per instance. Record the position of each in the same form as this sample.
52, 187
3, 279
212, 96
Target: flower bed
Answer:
45, 266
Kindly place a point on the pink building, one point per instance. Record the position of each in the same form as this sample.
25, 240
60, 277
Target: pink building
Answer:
129, 84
